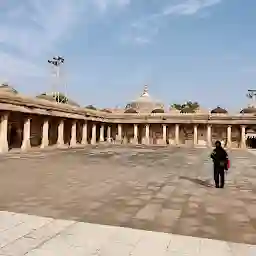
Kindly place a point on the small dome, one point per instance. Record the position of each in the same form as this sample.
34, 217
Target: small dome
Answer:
249, 110
219, 110
7, 88
145, 103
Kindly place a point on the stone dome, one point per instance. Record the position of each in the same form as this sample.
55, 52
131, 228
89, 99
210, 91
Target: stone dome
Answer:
248, 110
219, 110
7, 88
144, 104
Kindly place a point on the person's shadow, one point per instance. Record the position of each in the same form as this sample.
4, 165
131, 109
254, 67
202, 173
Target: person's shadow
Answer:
204, 183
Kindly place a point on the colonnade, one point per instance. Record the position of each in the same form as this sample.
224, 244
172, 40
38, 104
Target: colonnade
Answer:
165, 137
118, 136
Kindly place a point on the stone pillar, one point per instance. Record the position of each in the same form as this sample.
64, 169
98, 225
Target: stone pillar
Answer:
102, 127
147, 134
84, 134
45, 134
93, 140
177, 134
119, 133
229, 136
73, 141
4, 133
195, 135
164, 133
243, 143
60, 141
109, 134
135, 134
26, 135
209, 135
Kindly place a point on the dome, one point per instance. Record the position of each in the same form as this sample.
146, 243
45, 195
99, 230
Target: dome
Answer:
249, 110
219, 110
7, 88
145, 104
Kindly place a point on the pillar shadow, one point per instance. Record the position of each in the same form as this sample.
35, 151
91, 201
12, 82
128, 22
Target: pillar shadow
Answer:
204, 183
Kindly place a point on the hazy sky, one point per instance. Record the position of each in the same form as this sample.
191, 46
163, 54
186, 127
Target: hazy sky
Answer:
201, 50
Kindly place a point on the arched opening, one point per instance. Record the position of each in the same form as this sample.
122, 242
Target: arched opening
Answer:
15, 130
131, 111
251, 142
251, 138
53, 130
67, 131
157, 111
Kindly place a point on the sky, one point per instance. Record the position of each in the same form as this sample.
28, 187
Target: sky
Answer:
199, 50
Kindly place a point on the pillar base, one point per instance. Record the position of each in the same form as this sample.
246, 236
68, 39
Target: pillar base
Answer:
73, 145
25, 146
134, 141
243, 146
44, 146
84, 143
93, 142
145, 141
4, 149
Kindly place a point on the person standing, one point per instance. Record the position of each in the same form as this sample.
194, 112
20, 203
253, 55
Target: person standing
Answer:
220, 164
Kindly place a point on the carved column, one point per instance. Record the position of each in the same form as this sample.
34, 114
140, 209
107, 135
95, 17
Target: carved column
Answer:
195, 135
243, 138
60, 141
164, 133
209, 135
93, 140
4, 133
26, 135
109, 134
177, 134
119, 133
147, 141
102, 127
84, 134
229, 136
135, 134
73, 141
45, 134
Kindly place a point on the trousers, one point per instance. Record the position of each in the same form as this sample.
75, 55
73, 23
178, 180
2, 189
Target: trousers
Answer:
219, 176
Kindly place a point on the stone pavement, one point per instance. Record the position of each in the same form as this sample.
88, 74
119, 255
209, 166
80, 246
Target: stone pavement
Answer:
23, 234
162, 189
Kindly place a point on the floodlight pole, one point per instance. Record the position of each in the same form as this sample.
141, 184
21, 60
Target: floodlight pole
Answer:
56, 62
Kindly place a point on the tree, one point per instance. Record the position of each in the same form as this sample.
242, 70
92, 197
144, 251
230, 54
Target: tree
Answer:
187, 107
59, 97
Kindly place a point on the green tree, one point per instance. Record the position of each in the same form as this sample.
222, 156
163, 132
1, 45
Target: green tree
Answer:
187, 107
58, 97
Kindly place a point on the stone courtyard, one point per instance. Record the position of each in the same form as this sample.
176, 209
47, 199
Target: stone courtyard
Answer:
151, 188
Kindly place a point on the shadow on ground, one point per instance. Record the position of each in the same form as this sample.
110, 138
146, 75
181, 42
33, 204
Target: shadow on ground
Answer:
205, 183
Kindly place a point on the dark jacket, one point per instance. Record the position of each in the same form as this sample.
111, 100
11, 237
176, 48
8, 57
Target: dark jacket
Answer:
220, 157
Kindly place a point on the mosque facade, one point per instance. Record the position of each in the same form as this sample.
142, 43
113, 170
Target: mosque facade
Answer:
28, 123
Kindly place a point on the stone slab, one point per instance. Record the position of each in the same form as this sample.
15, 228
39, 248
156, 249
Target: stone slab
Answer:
61, 237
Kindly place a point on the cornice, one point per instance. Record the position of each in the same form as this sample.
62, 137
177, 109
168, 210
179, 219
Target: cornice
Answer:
20, 103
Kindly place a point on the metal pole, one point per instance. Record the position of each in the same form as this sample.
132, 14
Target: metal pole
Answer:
56, 62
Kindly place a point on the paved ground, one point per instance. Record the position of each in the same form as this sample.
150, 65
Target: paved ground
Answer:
38, 236
158, 189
